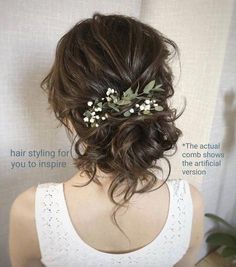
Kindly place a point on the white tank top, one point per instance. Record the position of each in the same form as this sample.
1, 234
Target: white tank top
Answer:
61, 246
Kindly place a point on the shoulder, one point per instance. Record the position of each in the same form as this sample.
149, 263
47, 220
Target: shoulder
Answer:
23, 246
22, 208
197, 228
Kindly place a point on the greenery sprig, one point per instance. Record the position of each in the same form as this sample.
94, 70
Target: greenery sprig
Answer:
99, 109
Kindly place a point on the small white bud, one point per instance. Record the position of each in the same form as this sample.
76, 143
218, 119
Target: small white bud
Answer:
155, 105
103, 118
131, 110
93, 113
86, 119
147, 101
90, 103
96, 125
137, 105
106, 115
141, 107
147, 107
92, 120
97, 117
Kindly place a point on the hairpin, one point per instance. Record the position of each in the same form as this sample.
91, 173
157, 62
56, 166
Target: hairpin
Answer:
99, 109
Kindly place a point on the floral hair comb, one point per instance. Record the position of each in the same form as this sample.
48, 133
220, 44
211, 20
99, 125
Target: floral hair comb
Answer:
99, 109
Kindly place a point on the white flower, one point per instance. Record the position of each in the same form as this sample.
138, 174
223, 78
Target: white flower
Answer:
96, 125
99, 109
97, 117
103, 118
113, 91
155, 105
147, 107
86, 119
147, 101
131, 110
137, 105
92, 120
90, 103
141, 107
109, 91
93, 113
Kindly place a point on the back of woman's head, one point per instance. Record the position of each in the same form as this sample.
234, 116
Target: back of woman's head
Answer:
115, 51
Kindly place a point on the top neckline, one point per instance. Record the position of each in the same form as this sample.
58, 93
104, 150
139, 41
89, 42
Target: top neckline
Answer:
78, 239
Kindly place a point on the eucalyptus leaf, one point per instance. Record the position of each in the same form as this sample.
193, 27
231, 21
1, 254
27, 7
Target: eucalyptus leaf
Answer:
127, 113
158, 89
128, 92
113, 106
136, 91
99, 104
159, 108
157, 86
123, 102
149, 86
87, 113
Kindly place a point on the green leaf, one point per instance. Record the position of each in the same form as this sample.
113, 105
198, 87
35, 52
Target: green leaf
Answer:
158, 89
123, 102
148, 87
113, 106
99, 104
146, 111
157, 86
221, 239
87, 113
218, 219
228, 252
128, 92
127, 113
159, 108
136, 91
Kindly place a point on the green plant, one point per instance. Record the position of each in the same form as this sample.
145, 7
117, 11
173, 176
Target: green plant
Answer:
225, 240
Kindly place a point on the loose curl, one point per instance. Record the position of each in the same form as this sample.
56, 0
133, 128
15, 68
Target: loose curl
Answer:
119, 52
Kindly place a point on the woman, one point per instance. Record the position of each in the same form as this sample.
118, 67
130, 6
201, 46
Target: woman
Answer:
109, 86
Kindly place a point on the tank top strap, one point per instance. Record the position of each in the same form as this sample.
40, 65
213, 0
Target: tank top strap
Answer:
180, 226
49, 220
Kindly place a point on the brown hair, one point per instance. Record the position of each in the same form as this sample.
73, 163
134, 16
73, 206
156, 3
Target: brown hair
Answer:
119, 52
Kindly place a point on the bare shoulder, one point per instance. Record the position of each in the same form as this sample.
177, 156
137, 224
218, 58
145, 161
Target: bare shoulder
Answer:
197, 232
23, 242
